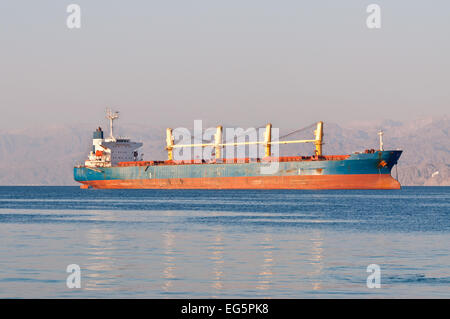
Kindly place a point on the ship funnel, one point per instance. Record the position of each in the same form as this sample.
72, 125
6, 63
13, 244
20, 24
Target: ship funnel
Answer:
97, 140
98, 134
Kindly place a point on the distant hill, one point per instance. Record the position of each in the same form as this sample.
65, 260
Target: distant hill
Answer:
45, 156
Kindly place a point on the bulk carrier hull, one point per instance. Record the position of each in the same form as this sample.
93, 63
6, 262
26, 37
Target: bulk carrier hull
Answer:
356, 171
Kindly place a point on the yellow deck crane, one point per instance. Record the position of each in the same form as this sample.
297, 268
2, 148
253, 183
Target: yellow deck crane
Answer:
317, 141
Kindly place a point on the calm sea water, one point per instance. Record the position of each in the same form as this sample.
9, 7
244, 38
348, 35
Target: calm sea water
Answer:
224, 244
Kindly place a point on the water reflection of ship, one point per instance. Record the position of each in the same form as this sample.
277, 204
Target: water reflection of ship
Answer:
316, 260
265, 275
100, 264
169, 260
217, 249
310, 269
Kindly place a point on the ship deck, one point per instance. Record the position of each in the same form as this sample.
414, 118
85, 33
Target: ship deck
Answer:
237, 160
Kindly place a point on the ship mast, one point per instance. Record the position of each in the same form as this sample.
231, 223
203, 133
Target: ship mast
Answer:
380, 133
111, 116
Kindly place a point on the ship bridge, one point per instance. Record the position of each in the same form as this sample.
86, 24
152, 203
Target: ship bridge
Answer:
110, 151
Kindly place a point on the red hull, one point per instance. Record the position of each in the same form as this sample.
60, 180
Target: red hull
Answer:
355, 181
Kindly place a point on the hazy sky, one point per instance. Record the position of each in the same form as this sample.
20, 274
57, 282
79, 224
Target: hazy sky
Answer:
166, 63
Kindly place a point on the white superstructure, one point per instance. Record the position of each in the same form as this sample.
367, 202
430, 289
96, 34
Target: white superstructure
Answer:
110, 151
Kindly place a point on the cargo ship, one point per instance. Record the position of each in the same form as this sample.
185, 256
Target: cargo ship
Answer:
116, 163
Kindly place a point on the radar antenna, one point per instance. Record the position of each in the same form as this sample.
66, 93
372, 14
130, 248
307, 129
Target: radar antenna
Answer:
111, 116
